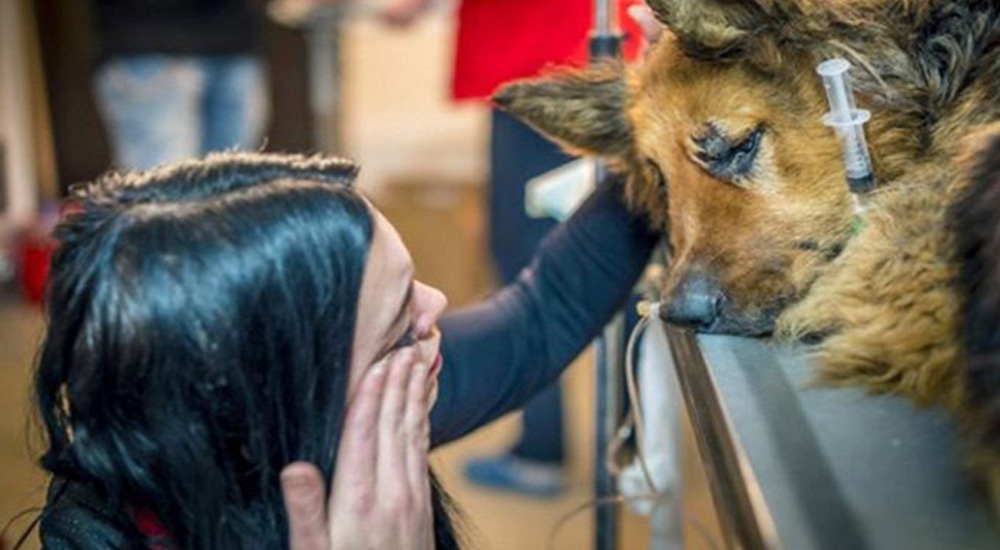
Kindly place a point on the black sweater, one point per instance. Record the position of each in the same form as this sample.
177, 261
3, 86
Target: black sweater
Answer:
497, 354
178, 27
500, 353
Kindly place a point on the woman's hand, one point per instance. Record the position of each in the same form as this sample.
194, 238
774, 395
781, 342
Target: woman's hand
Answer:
380, 498
402, 13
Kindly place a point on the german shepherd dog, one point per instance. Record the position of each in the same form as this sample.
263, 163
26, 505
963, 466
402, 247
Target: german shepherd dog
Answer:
721, 135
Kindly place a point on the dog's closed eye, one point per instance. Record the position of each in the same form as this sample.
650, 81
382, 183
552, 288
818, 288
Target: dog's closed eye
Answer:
728, 159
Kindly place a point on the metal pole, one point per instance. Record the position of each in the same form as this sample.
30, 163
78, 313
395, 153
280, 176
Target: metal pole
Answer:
605, 43
605, 38
610, 409
324, 34
602, 18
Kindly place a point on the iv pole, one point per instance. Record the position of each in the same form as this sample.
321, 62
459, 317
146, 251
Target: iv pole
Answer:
322, 27
605, 43
323, 36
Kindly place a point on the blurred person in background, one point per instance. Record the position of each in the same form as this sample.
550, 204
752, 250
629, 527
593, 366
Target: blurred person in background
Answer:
178, 78
499, 41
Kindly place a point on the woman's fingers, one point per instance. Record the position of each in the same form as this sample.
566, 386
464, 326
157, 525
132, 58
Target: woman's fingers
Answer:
391, 446
303, 490
358, 450
381, 491
416, 432
402, 12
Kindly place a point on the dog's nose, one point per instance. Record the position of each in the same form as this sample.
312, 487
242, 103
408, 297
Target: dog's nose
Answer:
694, 302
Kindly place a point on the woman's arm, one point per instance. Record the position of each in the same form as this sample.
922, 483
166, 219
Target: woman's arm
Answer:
500, 353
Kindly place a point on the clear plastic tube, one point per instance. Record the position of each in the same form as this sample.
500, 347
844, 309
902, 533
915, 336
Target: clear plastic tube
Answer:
848, 121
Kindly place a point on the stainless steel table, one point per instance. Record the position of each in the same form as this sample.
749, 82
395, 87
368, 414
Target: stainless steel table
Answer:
796, 466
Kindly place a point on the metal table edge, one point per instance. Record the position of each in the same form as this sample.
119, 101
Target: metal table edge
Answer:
736, 493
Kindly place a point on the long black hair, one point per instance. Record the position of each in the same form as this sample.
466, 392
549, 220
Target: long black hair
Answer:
200, 323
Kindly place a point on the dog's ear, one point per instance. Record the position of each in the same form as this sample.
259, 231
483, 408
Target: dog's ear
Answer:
754, 30
583, 110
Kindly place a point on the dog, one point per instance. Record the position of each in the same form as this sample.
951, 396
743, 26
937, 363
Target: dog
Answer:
721, 135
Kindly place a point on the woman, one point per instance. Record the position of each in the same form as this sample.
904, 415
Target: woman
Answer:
214, 322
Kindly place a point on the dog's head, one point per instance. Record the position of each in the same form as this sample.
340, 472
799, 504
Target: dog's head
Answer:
721, 134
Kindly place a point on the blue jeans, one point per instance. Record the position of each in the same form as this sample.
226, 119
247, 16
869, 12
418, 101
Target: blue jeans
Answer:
517, 154
161, 108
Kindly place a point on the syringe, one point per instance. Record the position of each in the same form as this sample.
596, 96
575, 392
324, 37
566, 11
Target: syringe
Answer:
849, 122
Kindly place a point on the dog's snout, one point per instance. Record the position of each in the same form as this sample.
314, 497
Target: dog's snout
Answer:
694, 302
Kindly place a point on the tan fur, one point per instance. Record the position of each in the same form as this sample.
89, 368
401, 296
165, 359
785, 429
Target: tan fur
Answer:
726, 229
887, 303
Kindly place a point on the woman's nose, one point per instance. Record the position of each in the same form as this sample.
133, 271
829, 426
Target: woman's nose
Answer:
429, 303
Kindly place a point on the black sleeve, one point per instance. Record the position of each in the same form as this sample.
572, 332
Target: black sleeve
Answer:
500, 353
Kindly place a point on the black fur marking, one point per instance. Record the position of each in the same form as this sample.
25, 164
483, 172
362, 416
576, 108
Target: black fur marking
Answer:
834, 251
727, 159
975, 220
950, 47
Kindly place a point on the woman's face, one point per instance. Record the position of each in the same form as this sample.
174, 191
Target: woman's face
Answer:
394, 310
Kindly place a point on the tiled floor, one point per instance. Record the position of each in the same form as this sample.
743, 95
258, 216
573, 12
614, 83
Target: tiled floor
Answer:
22, 485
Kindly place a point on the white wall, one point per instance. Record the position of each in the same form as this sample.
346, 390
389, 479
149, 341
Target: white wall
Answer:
399, 120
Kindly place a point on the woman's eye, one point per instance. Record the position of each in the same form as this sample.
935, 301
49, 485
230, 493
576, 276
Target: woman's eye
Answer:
409, 338
728, 160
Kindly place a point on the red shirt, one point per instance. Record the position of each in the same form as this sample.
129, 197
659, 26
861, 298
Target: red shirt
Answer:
503, 40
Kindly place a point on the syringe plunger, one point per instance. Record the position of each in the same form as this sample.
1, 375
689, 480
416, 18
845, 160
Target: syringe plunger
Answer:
848, 121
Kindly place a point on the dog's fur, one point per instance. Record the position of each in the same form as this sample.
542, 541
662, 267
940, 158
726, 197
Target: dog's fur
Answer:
778, 234
974, 219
